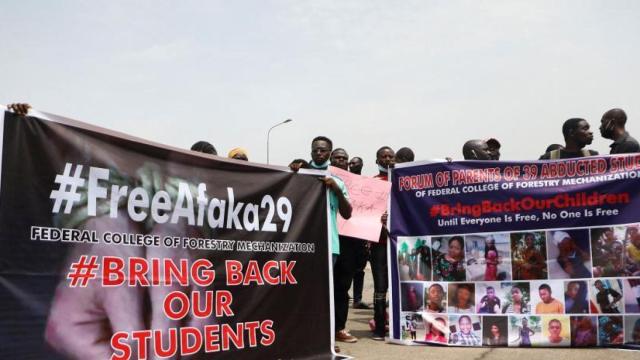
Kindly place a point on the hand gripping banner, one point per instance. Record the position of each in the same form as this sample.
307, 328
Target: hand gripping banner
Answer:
113, 247
517, 254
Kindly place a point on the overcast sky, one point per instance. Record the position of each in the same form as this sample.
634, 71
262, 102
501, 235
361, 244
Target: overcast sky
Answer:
423, 74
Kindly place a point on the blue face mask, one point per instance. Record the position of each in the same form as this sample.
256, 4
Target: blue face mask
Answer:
323, 166
383, 169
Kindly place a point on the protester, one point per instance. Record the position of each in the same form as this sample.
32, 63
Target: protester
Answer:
238, 154
476, 150
606, 305
19, 108
576, 136
204, 147
361, 255
465, 335
494, 148
345, 266
404, 155
340, 159
385, 159
554, 147
299, 164
338, 202
548, 305
355, 165
613, 127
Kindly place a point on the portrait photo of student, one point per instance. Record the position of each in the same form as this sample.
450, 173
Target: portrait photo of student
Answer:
488, 257
448, 258
584, 331
547, 297
606, 296
610, 330
412, 327
517, 298
461, 298
414, 258
556, 331
436, 328
435, 297
616, 251
412, 296
632, 250
632, 326
569, 256
525, 331
489, 298
495, 330
576, 297
631, 292
529, 255
465, 330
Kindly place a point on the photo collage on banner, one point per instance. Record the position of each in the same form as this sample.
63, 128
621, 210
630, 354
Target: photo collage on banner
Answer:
564, 287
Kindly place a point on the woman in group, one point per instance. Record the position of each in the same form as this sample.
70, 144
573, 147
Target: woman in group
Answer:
491, 260
450, 266
517, 305
436, 331
496, 337
462, 300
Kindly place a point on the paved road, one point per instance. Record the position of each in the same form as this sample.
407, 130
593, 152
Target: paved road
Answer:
366, 348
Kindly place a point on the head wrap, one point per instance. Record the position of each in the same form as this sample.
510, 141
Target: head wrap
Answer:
558, 236
238, 151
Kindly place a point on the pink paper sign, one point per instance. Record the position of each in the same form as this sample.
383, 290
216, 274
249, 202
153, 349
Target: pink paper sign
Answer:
368, 198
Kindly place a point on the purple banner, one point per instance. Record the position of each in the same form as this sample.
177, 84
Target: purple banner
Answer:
474, 196
518, 254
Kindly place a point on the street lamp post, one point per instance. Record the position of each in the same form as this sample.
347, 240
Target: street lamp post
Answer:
269, 134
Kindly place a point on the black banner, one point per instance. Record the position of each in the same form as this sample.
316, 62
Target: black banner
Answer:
114, 247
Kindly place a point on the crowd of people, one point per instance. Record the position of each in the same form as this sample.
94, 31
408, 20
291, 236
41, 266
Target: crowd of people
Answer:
350, 255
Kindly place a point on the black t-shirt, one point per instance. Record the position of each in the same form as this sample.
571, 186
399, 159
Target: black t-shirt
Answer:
603, 297
564, 154
625, 145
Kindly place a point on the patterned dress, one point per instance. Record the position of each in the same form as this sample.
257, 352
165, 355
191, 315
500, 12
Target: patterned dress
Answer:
443, 270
